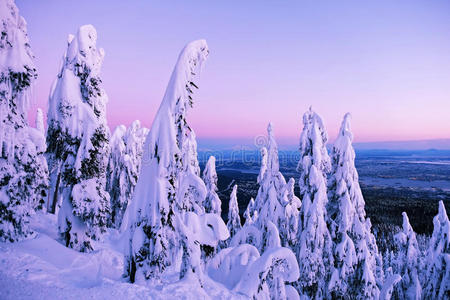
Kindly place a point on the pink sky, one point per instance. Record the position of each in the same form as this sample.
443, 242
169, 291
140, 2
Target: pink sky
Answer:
386, 62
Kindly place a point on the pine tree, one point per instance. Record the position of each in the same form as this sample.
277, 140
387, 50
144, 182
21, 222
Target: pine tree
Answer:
314, 250
356, 259
23, 170
212, 202
437, 283
77, 141
168, 178
123, 168
234, 220
406, 262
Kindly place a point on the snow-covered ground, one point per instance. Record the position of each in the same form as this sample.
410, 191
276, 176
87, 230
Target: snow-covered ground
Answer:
43, 268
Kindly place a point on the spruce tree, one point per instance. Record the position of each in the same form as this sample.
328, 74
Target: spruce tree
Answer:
356, 259
234, 220
212, 201
169, 185
273, 198
123, 168
314, 249
249, 212
78, 143
23, 170
437, 280
407, 262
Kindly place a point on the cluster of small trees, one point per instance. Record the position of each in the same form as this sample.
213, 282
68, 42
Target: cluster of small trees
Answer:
318, 245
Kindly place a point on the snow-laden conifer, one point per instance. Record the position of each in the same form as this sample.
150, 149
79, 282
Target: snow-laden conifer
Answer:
169, 183
271, 198
292, 214
23, 170
314, 246
40, 121
437, 281
77, 142
234, 220
249, 212
212, 201
407, 262
356, 258
123, 168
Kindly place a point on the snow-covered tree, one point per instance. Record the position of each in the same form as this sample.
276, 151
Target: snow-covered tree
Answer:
234, 220
169, 177
292, 214
437, 281
314, 248
271, 199
123, 168
249, 212
38, 136
77, 143
212, 201
40, 121
356, 258
23, 170
406, 262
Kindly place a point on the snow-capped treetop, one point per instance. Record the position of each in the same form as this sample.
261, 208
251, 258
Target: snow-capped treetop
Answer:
407, 238
314, 161
313, 140
77, 99
263, 168
249, 211
438, 257
168, 134
175, 103
16, 57
272, 149
134, 139
40, 121
440, 240
15, 54
209, 173
116, 141
212, 201
234, 220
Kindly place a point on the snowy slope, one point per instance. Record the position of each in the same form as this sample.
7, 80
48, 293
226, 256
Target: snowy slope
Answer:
42, 268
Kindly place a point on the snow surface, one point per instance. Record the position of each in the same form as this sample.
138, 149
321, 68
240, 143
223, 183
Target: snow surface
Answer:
43, 268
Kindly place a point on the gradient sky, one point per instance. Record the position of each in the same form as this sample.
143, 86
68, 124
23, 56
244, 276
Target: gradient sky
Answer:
387, 62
